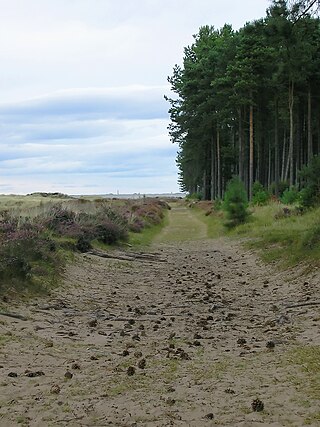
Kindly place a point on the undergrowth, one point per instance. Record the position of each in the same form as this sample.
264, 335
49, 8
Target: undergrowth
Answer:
36, 242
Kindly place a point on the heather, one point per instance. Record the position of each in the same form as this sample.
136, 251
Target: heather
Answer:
36, 242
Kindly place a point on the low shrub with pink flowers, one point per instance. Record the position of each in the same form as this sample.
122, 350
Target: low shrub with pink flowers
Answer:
34, 249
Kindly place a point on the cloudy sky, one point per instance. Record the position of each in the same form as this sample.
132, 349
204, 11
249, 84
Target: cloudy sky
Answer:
82, 85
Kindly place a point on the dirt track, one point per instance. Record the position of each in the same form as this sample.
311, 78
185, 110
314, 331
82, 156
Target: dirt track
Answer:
179, 339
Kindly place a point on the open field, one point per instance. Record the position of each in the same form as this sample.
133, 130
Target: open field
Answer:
194, 332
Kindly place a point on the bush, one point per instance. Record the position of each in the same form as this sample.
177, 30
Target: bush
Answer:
110, 233
310, 175
235, 203
25, 256
311, 239
260, 195
290, 196
194, 196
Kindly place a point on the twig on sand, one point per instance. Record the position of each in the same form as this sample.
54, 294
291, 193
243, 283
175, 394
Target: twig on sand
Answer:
129, 256
303, 304
69, 420
13, 315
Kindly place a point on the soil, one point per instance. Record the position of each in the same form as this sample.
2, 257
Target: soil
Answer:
197, 333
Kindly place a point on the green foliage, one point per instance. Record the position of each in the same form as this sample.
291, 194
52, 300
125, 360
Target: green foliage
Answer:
260, 195
290, 196
218, 204
288, 241
223, 74
311, 239
194, 196
28, 258
235, 203
310, 175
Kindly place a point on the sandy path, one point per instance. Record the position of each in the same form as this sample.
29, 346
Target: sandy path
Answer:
191, 327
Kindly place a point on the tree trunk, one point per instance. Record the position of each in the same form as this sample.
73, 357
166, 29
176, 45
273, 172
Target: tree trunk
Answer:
276, 151
212, 170
269, 166
310, 150
218, 162
284, 149
291, 100
241, 148
204, 184
251, 152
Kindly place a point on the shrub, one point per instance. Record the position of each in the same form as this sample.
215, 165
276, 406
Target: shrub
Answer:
24, 256
235, 203
290, 196
194, 196
110, 233
311, 239
218, 204
310, 175
83, 244
260, 195
58, 219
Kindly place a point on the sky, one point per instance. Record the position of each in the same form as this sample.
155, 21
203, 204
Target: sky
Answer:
82, 86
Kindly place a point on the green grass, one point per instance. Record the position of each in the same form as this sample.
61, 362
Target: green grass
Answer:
213, 222
183, 225
306, 360
289, 240
148, 234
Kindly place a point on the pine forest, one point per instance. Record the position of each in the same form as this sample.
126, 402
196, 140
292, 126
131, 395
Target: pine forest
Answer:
246, 103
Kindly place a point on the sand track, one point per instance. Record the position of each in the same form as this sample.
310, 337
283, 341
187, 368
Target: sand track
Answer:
176, 340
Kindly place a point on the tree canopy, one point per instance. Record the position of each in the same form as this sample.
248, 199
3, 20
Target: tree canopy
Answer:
246, 102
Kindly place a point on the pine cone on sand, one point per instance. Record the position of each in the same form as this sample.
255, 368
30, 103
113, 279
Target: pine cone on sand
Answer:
257, 405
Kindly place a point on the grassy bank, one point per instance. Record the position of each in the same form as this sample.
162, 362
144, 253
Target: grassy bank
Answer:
279, 232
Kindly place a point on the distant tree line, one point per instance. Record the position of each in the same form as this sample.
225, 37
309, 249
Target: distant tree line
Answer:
247, 102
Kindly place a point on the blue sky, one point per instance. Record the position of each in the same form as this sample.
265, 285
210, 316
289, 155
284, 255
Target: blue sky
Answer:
82, 85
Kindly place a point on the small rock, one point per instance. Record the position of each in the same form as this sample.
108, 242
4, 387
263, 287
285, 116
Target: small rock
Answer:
75, 366
131, 371
55, 389
93, 323
270, 345
229, 391
137, 354
68, 375
170, 401
209, 416
241, 341
125, 353
12, 374
136, 337
142, 363
197, 336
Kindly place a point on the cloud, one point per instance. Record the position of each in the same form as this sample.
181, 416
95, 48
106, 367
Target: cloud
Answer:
106, 134
82, 84
120, 102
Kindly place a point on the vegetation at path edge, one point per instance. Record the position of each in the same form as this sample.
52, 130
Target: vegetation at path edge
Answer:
36, 240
